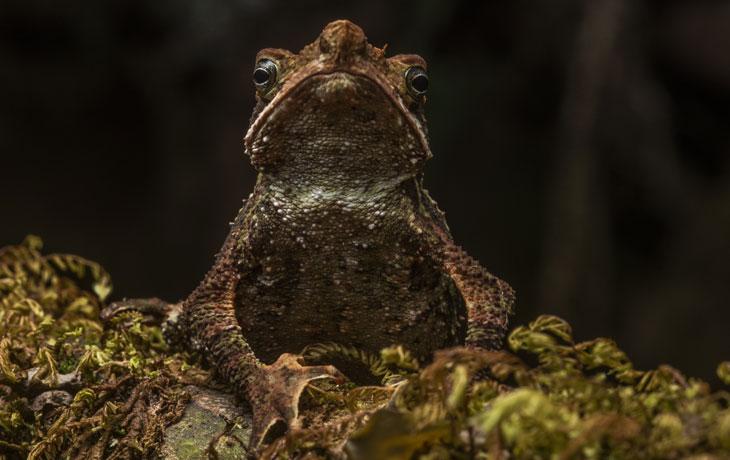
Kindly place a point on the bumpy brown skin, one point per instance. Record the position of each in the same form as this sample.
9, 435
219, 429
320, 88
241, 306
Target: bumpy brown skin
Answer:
339, 241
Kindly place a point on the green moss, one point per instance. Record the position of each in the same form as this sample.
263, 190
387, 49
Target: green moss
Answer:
69, 387
72, 387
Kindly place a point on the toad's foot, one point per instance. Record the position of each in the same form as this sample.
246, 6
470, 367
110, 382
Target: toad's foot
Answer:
154, 311
274, 394
153, 307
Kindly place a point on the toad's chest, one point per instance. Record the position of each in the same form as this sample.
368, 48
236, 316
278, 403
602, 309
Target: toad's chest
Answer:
331, 268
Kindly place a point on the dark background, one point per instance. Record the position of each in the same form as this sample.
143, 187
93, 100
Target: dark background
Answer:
582, 148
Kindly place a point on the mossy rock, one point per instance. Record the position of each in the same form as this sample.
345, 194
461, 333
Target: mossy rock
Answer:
212, 425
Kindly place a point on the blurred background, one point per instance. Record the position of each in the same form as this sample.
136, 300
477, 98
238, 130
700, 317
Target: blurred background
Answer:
582, 147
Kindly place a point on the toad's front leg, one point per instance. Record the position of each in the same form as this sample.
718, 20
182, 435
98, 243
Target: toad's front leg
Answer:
489, 300
273, 391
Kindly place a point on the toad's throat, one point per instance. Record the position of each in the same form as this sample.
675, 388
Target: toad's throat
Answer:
340, 124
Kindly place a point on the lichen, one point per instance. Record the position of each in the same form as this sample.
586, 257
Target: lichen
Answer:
73, 387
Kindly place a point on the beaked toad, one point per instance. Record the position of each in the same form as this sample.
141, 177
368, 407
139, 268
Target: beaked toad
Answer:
339, 241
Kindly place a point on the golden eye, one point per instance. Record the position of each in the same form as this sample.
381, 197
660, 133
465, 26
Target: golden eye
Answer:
264, 75
417, 80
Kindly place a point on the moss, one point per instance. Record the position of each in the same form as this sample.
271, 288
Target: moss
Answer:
69, 386
72, 387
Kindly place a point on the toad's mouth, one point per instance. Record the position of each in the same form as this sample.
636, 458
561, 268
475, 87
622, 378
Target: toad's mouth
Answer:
321, 114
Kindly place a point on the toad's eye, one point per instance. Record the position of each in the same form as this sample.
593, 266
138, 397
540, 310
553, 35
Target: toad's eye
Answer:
417, 81
264, 75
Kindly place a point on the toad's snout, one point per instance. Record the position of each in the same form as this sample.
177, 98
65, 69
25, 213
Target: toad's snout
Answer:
342, 40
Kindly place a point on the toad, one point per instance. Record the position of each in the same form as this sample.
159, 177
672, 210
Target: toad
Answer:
339, 241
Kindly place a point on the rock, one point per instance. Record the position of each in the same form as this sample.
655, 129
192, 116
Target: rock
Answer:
213, 426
